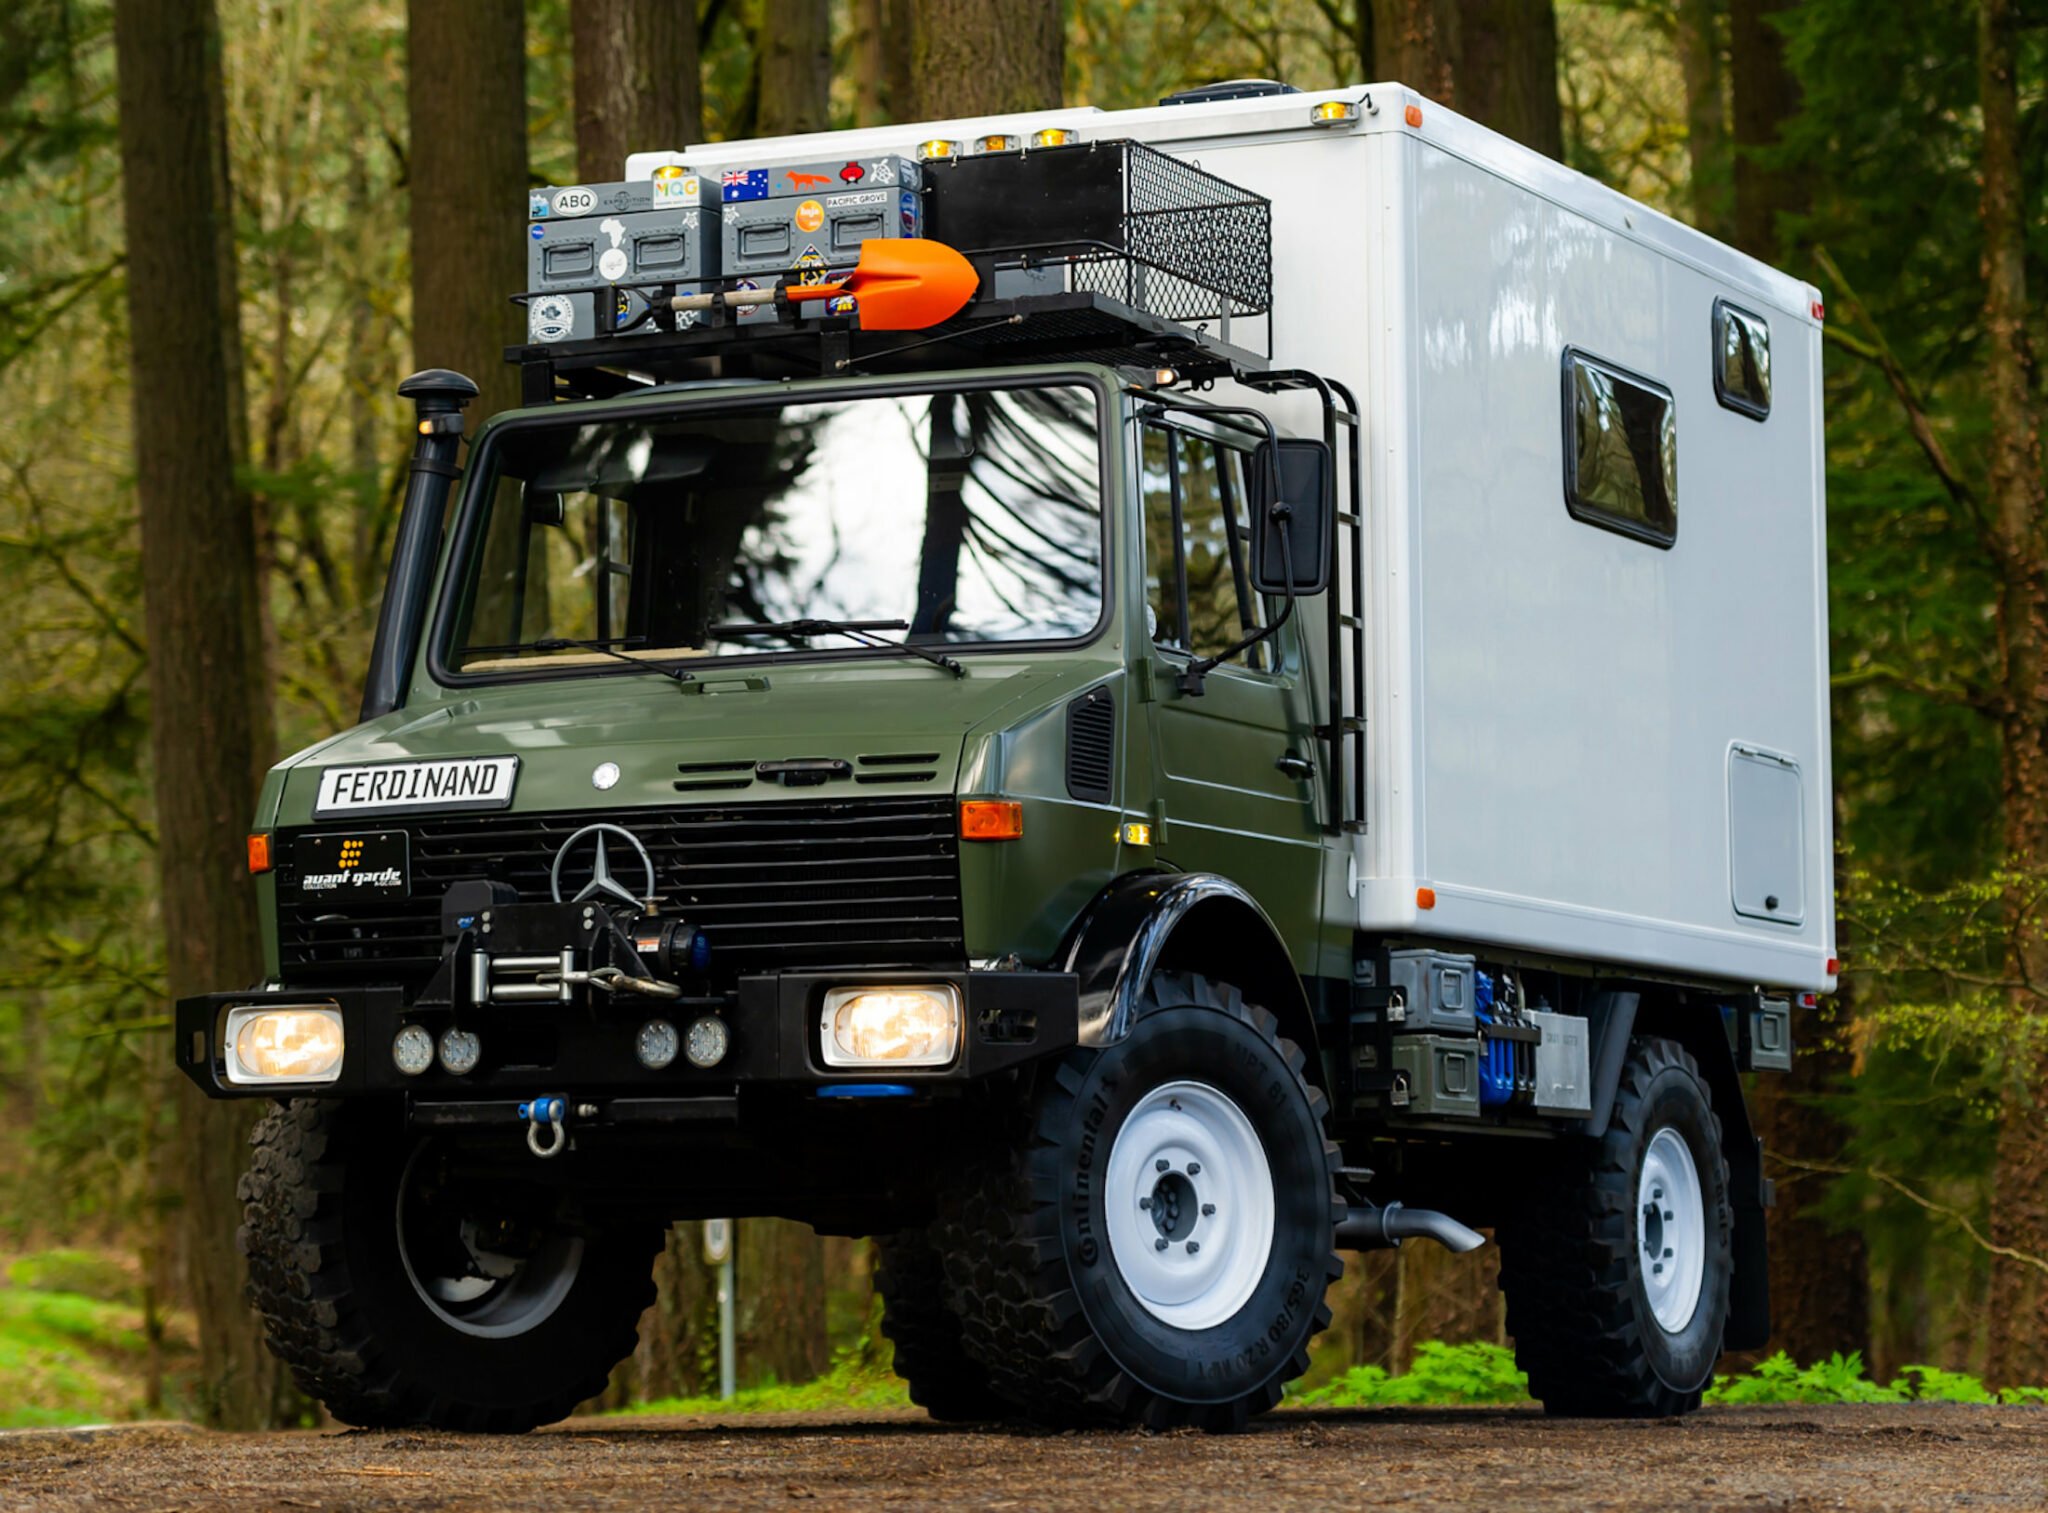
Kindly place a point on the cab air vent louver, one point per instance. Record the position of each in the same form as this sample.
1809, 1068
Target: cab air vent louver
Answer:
700, 777
897, 767
1091, 745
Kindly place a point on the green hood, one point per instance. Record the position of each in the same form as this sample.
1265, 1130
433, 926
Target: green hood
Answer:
563, 729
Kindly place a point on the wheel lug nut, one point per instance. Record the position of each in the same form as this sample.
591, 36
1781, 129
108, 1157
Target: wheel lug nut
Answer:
1193, 1246
1160, 1244
1657, 1270
1144, 1203
1667, 1255
1208, 1209
1162, 1164
1669, 1216
1194, 1168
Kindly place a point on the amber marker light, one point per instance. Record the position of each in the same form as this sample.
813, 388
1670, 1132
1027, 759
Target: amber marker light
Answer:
1000, 141
1425, 898
1333, 113
1412, 115
1136, 833
936, 149
259, 853
991, 820
1053, 136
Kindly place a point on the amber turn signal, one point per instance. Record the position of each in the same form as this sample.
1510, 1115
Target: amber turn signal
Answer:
259, 853
1425, 898
991, 820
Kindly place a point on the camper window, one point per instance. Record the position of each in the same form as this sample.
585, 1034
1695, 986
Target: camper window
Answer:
1621, 450
1742, 360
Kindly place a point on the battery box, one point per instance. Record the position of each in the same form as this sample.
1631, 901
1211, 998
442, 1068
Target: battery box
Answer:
812, 216
1436, 1076
660, 230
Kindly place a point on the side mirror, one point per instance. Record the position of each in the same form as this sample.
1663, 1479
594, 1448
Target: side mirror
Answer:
1290, 488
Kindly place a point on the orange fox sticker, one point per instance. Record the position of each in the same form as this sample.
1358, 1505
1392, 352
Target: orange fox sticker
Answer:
806, 180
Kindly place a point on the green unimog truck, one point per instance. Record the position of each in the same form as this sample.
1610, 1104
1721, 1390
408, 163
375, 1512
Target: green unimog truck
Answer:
1293, 721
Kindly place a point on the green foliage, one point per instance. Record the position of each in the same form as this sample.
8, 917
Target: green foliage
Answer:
1477, 1372
1840, 1379
858, 1379
86, 1273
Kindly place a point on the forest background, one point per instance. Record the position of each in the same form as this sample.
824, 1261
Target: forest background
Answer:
231, 229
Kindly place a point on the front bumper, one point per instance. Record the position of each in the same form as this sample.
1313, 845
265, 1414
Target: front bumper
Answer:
581, 1050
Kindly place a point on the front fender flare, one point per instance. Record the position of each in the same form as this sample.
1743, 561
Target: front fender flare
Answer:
1123, 935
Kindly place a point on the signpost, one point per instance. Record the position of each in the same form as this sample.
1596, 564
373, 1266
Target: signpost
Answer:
718, 1252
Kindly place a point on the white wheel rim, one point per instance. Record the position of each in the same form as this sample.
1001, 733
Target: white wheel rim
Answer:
1671, 1230
1189, 1205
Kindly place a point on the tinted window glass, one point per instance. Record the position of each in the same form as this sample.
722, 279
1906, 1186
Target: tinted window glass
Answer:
1621, 450
1212, 547
973, 516
1742, 360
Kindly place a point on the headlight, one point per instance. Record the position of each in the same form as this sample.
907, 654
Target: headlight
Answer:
301, 1043
907, 1026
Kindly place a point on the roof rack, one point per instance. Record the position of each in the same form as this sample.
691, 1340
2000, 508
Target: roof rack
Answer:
1106, 252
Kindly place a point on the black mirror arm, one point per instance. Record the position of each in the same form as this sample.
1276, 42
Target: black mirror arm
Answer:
1192, 676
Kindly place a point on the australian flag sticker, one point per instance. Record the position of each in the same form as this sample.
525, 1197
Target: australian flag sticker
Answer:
910, 209
745, 184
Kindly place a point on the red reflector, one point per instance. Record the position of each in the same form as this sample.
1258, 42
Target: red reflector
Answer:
1425, 898
259, 853
1809, 1000
991, 820
1834, 966
1820, 311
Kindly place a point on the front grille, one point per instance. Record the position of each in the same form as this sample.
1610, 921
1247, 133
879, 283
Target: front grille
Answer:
868, 882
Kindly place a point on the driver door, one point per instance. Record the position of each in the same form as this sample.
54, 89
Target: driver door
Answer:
1235, 765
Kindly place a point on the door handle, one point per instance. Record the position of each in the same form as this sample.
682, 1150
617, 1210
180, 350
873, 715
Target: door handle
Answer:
1300, 768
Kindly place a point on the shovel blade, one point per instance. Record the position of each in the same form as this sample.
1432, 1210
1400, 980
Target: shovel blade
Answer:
903, 284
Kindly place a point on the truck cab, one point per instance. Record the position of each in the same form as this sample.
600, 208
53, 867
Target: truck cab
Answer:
939, 787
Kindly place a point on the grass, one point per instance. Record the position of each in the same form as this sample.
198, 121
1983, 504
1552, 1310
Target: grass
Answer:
70, 1356
858, 1379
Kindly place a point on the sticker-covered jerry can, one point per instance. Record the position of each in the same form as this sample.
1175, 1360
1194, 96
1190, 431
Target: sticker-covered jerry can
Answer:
812, 217
646, 236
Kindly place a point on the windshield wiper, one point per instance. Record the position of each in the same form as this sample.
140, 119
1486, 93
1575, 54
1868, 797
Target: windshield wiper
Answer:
567, 643
862, 631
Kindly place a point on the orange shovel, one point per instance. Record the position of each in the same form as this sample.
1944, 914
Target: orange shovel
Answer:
902, 283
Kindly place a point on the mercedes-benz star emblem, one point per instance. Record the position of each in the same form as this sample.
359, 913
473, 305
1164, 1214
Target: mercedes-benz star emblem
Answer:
602, 884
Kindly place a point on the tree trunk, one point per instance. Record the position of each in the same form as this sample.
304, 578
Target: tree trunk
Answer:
779, 1272
1766, 96
466, 99
1706, 117
1507, 70
1417, 42
986, 57
2018, 509
794, 55
209, 739
636, 80
881, 62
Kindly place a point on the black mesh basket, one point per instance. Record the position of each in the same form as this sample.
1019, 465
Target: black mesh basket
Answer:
1112, 218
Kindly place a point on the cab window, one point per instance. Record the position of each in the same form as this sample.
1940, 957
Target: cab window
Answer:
1198, 546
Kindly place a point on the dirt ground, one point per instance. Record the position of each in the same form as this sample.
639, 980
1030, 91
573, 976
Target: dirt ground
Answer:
1749, 1458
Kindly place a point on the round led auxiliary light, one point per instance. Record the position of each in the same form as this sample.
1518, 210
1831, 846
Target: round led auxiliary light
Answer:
460, 1051
708, 1042
656, 1044
412, 1050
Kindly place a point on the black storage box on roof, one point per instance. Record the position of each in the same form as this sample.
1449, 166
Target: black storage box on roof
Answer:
1116, 218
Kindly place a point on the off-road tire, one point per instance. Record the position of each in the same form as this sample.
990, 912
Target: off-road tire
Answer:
1042, 1304
943, 1379
1571, 1265
319, 1234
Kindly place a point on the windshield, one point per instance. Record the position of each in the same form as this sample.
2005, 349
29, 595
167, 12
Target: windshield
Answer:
968, 517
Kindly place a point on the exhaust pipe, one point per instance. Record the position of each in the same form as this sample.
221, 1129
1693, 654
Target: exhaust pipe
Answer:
1370, 1228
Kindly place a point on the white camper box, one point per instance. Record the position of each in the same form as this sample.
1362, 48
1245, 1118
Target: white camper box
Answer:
1580, 743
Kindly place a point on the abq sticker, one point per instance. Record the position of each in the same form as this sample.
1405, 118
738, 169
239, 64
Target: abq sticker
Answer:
578, 201
810, 215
